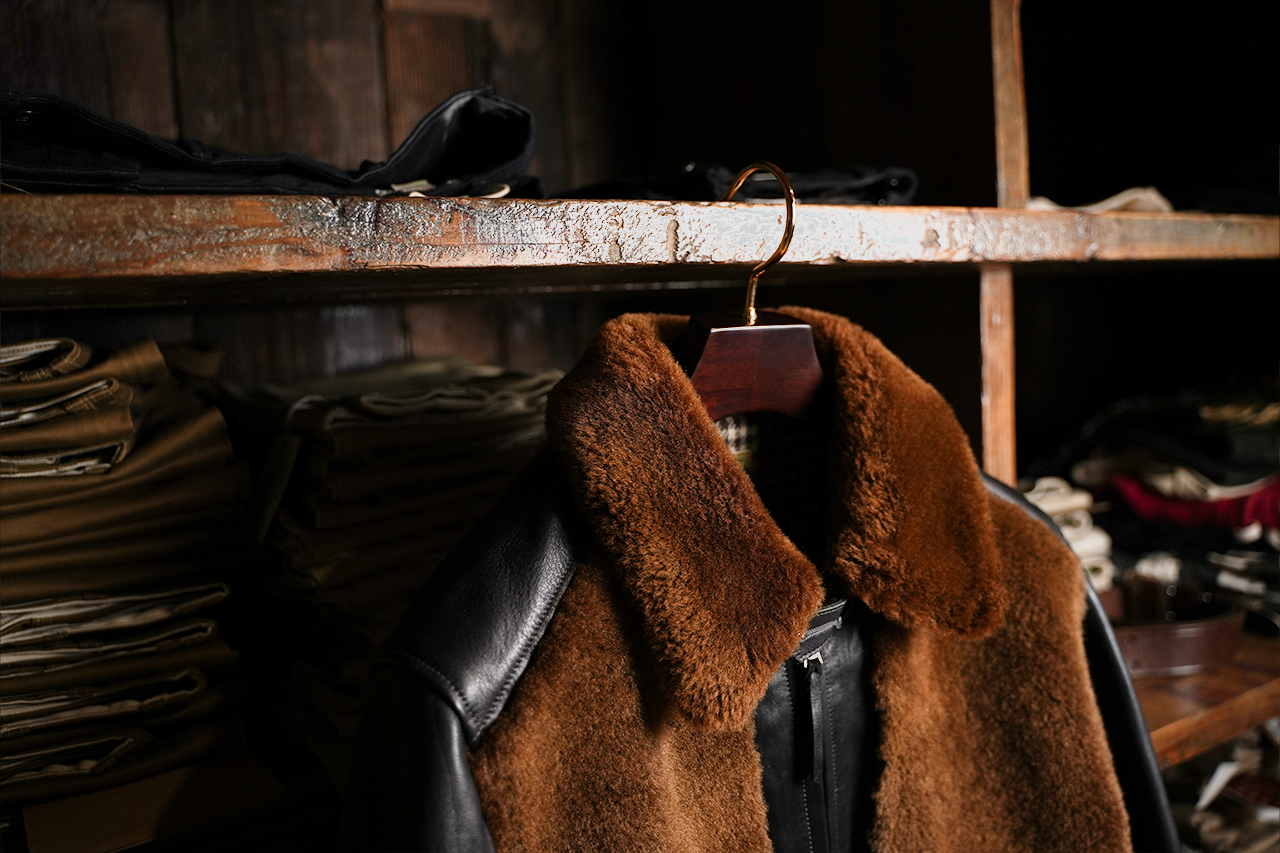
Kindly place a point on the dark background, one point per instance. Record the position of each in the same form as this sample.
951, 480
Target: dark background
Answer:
1178, 96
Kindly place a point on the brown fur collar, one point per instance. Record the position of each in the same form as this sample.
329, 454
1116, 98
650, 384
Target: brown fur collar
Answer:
724, 594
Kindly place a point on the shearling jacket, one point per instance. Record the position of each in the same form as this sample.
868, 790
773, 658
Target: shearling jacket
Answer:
631, 655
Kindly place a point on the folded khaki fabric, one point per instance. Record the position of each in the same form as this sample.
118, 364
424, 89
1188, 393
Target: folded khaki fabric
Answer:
165, 535
189, 538
75, 756
137, 363
21, 715
99, 395
212, 657
145, 759
71, 463
180, 448
211, 489
59, 619
72, 431
208, 565
142, 642
31, 361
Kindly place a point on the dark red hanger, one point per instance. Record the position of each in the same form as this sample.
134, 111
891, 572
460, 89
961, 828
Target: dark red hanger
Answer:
755, 362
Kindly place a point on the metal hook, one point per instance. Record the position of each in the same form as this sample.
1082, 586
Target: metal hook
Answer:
789, 195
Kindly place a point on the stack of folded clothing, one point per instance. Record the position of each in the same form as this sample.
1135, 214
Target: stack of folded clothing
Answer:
1070, 509
121, 528
374, 479
1191, 489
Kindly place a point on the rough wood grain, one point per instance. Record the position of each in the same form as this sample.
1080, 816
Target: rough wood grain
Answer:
1013, 164
529, 66
56, 47
139, 50
287, 76
427, 60
468, 328
70, 250
999, 434
1192, 713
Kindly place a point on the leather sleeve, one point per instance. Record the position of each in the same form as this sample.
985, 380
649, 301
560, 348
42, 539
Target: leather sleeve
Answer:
1150, 819
411, 787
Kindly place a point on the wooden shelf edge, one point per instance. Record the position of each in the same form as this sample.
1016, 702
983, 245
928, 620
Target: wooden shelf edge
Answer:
1190, 736
94, 240
1190, 714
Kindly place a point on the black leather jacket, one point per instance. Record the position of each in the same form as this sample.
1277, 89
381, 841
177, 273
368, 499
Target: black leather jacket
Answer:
456, 656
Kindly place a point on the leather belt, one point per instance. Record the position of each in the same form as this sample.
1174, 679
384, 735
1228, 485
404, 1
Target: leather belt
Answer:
1187, 640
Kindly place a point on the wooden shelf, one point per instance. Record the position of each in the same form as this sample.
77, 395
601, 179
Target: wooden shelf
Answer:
1189, 714
86, 251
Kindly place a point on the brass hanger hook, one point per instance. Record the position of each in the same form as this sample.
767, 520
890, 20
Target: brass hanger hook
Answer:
789, 196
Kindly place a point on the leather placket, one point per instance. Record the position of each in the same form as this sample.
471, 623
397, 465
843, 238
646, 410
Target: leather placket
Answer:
813, 724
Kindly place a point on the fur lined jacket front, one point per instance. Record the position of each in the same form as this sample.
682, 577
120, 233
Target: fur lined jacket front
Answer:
629, 724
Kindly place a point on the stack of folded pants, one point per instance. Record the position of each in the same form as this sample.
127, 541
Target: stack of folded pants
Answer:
385, 472
1070, 508
121, 528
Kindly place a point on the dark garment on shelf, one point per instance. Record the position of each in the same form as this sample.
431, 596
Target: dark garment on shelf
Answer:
378, 474
709, 182
464, 146
321, 480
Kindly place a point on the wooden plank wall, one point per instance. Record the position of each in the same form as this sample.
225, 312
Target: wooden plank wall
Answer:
617, 90
341, 81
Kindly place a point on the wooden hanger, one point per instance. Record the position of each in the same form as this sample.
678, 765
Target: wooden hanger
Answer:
762, 362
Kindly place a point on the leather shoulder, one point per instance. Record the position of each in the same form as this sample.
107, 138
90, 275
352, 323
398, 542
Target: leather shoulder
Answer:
473, 626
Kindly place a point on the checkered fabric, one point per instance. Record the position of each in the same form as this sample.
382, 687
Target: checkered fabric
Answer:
783, 458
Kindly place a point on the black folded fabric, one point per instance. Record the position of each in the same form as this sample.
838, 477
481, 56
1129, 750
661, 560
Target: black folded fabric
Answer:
709, 182
467, 145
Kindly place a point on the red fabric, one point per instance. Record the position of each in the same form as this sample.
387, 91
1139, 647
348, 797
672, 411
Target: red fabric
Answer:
1262, 506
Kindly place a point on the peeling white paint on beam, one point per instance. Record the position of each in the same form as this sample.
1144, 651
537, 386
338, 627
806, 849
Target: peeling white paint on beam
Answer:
50, 237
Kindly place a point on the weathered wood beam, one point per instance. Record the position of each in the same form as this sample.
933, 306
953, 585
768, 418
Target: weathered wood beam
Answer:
95, 239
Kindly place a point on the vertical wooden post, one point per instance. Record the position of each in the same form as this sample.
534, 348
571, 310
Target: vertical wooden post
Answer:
999, 444
999, 448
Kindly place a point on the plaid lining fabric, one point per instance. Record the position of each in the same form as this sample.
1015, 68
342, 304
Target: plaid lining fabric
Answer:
783, 457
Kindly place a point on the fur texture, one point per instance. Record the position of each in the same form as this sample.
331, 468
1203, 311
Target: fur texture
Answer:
631, 728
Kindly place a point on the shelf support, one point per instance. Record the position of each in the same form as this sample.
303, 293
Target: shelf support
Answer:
1013, 159
999, 446
999, 425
